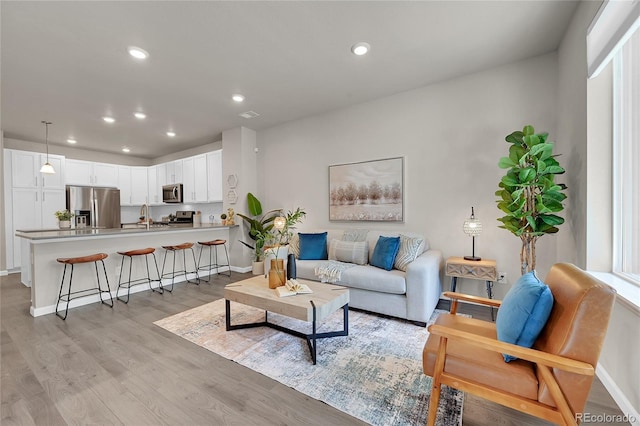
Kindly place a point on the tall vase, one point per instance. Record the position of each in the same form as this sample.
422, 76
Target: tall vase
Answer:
277, 276
291, 267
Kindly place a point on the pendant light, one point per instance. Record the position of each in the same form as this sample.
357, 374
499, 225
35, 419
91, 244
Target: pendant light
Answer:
47, 167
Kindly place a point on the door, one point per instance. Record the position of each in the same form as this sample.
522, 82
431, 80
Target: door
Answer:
106, 208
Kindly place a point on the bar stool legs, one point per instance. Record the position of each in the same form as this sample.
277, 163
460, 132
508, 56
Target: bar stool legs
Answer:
213, 244
130, 255
173, 249
71, 261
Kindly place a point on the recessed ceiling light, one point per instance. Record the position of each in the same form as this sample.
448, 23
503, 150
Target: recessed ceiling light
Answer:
140, 115
109, 120
171, 134
71, 140
361, 48
237, 98
137, 52
125, 149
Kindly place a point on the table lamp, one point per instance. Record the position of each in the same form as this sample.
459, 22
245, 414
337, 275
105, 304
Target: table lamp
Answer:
472, 227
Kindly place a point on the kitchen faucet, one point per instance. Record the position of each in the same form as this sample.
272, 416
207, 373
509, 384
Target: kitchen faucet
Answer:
146, 215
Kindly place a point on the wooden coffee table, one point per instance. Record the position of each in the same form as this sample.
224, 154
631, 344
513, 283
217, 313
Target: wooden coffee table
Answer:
313, 308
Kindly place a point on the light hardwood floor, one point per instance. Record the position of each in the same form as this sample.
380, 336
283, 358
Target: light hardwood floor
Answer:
113, 366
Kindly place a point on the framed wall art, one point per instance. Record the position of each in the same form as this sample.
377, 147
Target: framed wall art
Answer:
367, 191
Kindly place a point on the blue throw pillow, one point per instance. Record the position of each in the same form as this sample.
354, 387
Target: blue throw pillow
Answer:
384, 254
524, 312
313, 246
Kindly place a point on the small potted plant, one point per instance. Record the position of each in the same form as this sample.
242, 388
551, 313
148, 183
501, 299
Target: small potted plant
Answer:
64, 218
223, 218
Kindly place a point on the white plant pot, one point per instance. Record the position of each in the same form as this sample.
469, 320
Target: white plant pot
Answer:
64, 224
257, 268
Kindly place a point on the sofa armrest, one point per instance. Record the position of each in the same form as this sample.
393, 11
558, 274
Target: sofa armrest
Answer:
423, 285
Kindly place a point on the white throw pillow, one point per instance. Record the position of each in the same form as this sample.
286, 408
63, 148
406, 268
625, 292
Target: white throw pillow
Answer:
407, 253
349, 251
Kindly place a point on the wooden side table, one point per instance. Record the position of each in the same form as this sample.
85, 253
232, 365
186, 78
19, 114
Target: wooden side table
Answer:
485, 269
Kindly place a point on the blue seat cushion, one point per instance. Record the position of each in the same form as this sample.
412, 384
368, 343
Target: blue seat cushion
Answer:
313, 246
524, 312
384, 254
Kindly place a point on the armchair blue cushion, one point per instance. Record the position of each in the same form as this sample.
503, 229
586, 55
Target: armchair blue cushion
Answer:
524, 312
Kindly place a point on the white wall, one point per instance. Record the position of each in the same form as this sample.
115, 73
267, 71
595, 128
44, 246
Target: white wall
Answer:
584, 129
451, 135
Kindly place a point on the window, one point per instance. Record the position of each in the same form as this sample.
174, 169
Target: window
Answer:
626, 161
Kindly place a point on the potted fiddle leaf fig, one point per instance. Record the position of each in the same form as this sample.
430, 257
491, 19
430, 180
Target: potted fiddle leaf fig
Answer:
528, 194
260, 226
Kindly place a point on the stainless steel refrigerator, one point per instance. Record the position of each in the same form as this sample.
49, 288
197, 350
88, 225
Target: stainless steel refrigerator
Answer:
94, 207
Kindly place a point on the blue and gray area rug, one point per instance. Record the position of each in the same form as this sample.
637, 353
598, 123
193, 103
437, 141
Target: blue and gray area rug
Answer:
374, 374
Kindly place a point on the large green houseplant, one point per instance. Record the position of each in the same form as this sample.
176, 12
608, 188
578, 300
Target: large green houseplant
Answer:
260, 225
529, 195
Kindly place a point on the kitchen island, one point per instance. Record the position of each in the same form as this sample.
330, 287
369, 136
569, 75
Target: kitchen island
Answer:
43, 273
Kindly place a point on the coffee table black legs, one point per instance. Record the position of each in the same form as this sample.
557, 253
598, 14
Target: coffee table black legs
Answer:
311, 338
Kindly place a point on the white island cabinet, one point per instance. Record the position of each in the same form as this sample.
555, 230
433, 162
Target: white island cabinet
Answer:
45, 273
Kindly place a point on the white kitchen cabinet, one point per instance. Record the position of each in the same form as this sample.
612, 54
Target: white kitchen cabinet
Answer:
154, 189
89, 173
105, 174
25, 170
132, 182
139, 186
214, 176
34, 198
173, 172
124, 184
194, 179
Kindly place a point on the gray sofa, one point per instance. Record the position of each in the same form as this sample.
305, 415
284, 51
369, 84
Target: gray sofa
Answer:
412, 295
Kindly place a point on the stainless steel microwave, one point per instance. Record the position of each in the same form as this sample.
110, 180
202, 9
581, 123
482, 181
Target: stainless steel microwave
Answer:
172, 193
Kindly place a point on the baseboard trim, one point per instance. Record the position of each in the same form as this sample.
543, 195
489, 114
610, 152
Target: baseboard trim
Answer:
618, 396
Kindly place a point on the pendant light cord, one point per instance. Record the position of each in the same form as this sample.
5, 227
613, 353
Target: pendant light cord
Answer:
46, 136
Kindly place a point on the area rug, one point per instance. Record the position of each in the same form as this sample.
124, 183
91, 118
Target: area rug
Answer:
374, 374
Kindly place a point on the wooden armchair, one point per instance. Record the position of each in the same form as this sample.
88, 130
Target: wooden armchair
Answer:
551, 380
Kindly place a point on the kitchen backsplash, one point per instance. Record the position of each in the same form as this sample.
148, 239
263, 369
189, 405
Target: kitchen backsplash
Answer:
130, 214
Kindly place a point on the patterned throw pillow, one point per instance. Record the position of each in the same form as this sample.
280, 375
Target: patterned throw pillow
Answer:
294, 245
349, 251
407, 252
355, 235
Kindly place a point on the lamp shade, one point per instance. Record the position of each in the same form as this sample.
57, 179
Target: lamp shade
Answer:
472, 226
279, 223
47, 168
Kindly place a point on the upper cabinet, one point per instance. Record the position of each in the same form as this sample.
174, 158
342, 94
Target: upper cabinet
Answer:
214, 176
154, 188
89, 173
173, 172
194, 179
133, 185
25, 170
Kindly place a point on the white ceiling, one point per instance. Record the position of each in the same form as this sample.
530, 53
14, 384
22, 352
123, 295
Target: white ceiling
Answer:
67, 62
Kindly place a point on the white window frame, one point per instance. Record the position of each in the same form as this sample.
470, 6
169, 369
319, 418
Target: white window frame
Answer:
626, 154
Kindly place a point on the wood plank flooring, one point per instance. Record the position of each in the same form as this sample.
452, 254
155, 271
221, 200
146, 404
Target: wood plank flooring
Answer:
113, 366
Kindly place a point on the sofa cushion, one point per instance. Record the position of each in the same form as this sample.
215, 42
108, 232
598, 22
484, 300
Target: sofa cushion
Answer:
365, 277
407, 252
294, 245
313, 246
384, 254
349, 251
524, 312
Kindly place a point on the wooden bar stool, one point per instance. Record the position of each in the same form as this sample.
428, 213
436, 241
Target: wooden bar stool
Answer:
213, 244
173, 249
95, 258
130, 255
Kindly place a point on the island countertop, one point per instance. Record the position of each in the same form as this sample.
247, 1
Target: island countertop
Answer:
37, 235
43, 273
